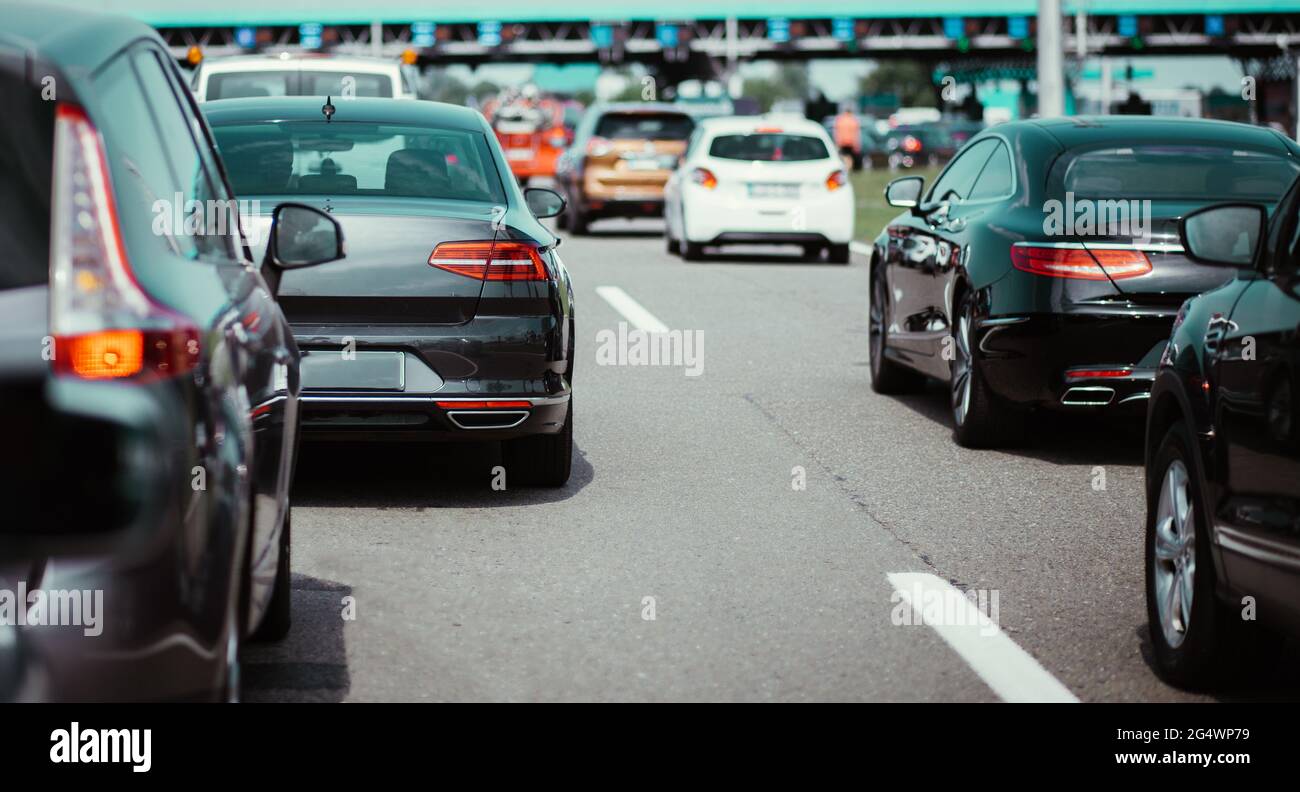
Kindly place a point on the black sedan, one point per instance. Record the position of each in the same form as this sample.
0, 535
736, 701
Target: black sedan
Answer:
148, 379
452, 317
1043, 268
1223, 453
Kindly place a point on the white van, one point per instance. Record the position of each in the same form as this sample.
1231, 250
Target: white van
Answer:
305, 75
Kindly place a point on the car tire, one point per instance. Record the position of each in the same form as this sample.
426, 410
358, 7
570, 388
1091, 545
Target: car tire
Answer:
812, 252
670, 244
980, 418
541, 460
275, 623
887, 376
692, 251
838, 254
1215, 643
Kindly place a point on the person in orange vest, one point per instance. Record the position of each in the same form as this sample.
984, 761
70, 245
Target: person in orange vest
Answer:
848, 138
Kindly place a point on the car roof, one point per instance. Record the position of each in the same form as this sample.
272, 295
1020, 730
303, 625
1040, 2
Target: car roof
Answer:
71, 37
220, 112
732, 124
240, 63
638, 107
1076, 131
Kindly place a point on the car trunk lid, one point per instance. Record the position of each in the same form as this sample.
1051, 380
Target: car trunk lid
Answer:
386, 277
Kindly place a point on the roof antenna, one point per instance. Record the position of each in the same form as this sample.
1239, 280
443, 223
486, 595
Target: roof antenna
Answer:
328, 109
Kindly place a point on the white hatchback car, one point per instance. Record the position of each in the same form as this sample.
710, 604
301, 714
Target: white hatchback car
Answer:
241, 76
759, 180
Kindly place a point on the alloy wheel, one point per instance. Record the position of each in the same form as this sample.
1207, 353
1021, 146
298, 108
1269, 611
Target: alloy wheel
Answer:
876, 322
961, 367
1175, 554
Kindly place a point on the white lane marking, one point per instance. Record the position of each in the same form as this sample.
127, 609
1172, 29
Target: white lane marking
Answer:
1010, 671
632, 311
861, 248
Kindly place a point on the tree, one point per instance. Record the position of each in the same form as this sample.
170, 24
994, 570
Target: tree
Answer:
789, 82
909, 81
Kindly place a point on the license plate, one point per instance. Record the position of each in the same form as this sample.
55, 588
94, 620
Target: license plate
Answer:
643, 164
768, 190
519, 154
341, 369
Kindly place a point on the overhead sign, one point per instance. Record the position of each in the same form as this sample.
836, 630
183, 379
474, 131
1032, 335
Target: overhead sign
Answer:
778, 29
309, 35
489, 34
423, 34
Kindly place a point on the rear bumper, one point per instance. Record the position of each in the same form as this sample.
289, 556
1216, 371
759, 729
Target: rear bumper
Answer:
717, 220
496, 359
1073, 362
429, 418
649, 206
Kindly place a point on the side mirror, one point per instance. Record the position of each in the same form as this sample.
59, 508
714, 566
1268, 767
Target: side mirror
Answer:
300, 236
1224, 234
542, 202
905, 192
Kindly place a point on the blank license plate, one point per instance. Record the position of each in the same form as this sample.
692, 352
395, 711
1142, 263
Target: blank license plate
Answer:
766, 190
335, 369
519, 154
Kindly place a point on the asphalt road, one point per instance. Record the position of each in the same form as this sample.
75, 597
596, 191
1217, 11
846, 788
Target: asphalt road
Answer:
683, 490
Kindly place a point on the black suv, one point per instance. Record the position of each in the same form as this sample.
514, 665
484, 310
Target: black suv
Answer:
148, 380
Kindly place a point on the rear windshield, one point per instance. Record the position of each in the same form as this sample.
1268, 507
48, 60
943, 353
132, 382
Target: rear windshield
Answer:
346, 158
26, 156
238, 85
1176, 172
768, 147
644, 126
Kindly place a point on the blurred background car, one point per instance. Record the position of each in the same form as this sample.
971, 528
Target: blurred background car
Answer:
620, 160
1223, 454
533, 131
913, 146
155, 425
340, 76
760, 180
451, 319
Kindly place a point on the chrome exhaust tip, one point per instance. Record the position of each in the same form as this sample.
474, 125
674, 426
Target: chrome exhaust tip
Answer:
487, 419
1095, 396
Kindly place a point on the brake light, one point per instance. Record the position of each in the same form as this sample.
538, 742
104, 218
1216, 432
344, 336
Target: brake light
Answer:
490, 260
104, 324
705, 178
1079, 263
484, 405
911, 145
836, 180
768, 130
1097, 373
598, 147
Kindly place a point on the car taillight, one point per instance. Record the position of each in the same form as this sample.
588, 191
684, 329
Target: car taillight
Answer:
104, 324
836, 180
489, 260
911, 145
485, 405
598, 147
1079, 263
1097, 373
705, 178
